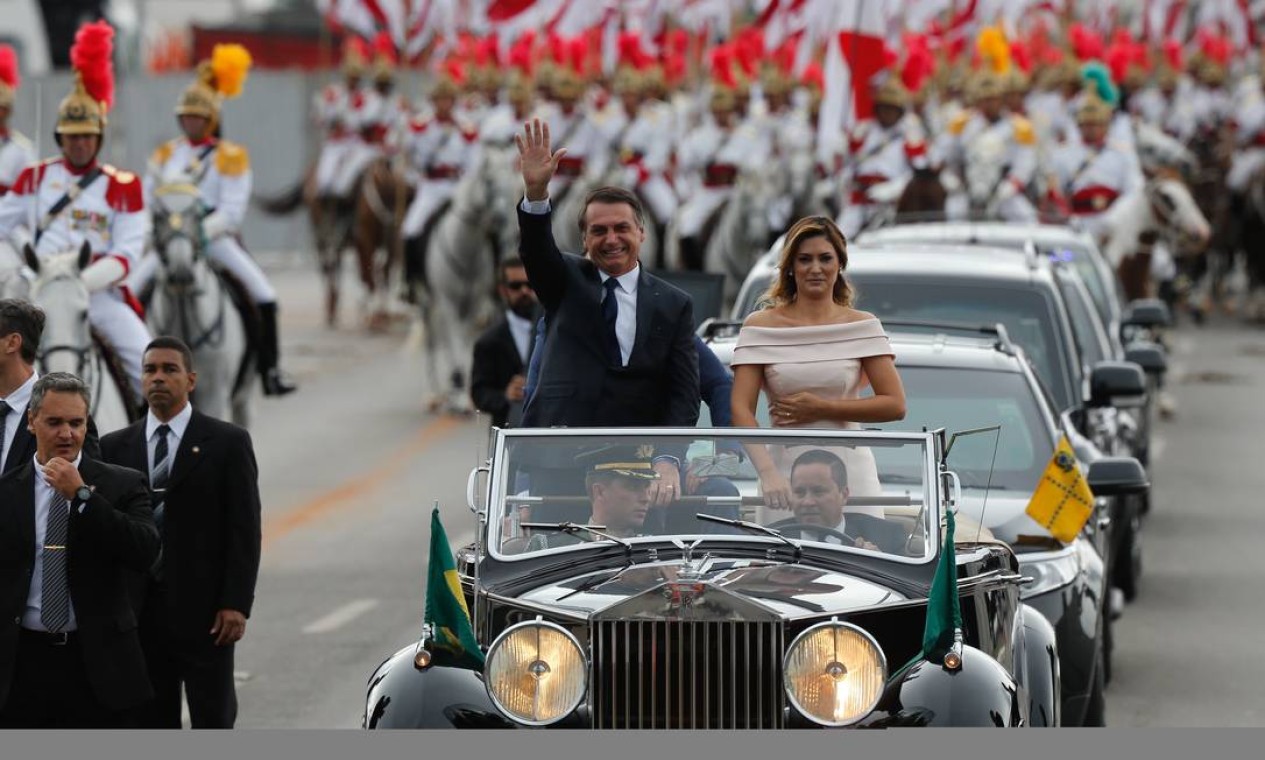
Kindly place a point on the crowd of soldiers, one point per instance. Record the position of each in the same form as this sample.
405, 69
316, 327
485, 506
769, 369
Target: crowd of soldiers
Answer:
1064, 131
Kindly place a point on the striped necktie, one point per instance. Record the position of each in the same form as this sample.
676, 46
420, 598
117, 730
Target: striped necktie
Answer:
162, 470
55, 594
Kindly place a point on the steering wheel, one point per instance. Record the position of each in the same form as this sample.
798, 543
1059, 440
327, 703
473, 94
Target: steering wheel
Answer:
788, 525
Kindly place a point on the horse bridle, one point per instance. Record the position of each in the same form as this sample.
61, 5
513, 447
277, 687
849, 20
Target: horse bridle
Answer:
212, 335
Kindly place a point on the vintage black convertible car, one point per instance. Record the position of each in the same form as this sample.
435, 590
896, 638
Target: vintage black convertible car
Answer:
597, 608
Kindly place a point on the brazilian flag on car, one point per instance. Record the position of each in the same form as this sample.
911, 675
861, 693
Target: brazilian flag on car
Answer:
944, 611
453, 642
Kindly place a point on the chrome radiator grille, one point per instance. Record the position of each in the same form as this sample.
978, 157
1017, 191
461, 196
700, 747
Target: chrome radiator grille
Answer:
669, 674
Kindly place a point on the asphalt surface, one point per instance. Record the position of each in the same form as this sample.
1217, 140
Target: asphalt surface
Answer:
351, 465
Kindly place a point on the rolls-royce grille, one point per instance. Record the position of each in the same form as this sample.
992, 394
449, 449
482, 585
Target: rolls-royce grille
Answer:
657, 674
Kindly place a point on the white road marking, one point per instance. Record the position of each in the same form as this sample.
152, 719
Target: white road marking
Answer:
1158, 444
341, 616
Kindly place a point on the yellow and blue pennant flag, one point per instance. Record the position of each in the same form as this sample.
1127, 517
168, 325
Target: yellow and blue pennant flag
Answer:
1062, 502
454, 644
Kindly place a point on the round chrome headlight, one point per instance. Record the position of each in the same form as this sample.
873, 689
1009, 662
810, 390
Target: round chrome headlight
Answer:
536, 673
835, 673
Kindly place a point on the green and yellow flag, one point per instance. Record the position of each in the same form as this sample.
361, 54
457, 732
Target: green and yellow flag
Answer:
453, 642
1062, 502
944, 609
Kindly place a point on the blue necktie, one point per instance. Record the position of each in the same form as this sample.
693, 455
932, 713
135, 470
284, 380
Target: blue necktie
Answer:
610, 313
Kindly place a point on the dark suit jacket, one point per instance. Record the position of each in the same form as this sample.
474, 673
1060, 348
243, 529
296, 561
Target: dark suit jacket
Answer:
211, 523
114, 533
578, 385
496, 360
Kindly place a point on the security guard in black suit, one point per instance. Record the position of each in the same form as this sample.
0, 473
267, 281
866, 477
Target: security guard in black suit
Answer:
194, 604
70, 529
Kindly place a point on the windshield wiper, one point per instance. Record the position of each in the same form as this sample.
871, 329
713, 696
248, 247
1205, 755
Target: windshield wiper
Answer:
571, 528
753, 528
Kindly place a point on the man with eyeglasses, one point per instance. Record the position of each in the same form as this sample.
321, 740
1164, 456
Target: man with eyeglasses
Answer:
502, 352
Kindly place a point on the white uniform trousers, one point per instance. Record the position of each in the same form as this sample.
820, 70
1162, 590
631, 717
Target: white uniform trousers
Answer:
701, 205
226, 252
659, 196
333, 153
123, 329
359, 156
431, 195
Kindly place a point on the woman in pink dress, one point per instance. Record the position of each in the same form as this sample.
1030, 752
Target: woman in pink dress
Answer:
812, 354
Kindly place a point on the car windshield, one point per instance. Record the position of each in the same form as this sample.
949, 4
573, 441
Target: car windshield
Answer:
966, 399
1028, 315
1082, 260
1090, 336
852, 491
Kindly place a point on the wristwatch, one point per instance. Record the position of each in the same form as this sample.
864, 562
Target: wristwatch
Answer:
83, 494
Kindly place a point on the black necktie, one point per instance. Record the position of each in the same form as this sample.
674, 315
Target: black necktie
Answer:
162, 470
610, 313
55, 593
4, 428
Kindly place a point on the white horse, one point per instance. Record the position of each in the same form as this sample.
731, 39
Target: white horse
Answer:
1163, 211
15, 278
67, 344
459, 297
980, 193
192, 302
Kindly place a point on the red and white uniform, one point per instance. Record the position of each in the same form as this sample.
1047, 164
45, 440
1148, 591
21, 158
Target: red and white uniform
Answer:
586, 144
1018, 139
16, 152
224, 178
646, 154
1249, 139
877, 155
339, 112
711, 158
439, 153
1091, 178
110, 215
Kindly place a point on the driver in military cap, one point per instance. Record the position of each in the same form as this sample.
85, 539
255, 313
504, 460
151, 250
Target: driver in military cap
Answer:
618, 482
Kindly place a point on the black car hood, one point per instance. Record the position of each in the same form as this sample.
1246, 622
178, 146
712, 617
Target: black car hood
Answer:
712, 589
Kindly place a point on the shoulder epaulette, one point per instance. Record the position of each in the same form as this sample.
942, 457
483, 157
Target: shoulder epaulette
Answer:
231, 159
1025, 133
958, 122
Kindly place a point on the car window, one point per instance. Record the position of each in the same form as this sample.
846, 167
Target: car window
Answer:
1082, 260
877, 485
965, 399
1028, 315
749, 298
1091, 338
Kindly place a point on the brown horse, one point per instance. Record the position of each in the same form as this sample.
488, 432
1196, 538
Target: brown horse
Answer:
923, 198
367, 222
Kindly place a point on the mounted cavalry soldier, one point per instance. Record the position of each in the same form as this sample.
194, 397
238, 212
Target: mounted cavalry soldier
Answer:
221, 171
74, 199
440, 149
337, 110
886, 148
1091, 174
989, 120
578, 132
16, 150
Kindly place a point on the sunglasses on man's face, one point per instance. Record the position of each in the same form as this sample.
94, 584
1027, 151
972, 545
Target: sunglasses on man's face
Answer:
517, 284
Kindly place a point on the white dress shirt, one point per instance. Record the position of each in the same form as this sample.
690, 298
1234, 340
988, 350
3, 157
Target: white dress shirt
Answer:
520, 331
625, 294
17, 401
35, 595
178, 425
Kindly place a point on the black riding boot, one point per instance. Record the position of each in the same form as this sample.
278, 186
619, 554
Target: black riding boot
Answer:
275, 382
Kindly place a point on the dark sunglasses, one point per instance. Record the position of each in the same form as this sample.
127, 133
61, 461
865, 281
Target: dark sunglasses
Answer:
517, 284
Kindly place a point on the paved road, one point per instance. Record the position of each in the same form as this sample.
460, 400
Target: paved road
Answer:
351, 465
1188, 650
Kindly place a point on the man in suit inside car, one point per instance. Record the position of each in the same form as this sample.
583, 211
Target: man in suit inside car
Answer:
70, 530
620, 349
194, 602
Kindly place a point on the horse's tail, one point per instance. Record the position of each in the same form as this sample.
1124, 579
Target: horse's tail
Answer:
284, 204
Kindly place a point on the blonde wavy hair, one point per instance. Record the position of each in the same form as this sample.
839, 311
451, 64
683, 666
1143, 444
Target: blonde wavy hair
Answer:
783, 291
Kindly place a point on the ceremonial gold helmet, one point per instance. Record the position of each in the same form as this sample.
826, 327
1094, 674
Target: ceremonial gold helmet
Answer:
445, 87
890, 92
1017, 81
723, 98
9, 78
1093, 110
79, 113
221, 76
354, 62
627, 80
567, 84
986, 84
521, 89
200, 97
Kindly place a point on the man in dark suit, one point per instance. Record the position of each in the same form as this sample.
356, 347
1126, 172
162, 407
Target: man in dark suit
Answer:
21, 327
498, 374
195, 601
70, 529
620, 345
